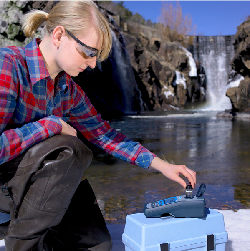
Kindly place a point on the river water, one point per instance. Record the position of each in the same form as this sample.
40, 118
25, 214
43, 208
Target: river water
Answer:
216, 148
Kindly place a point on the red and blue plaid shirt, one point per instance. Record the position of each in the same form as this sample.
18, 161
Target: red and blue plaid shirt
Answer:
30, 108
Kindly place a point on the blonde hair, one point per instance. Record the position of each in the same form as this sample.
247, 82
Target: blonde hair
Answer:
76, 17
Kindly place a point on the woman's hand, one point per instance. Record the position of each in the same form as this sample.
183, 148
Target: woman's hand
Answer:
173, 171
67, 129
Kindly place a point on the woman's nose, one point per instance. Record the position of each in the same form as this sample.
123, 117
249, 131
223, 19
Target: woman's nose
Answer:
92, 62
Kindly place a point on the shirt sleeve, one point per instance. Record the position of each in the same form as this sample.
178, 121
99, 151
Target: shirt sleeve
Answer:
13, 142
85, 118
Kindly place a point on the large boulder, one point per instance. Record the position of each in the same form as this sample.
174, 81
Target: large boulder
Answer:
240, 96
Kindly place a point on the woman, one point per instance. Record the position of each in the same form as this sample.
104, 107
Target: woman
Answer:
42, 161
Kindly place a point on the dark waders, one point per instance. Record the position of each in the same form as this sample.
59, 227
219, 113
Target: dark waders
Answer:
50, 207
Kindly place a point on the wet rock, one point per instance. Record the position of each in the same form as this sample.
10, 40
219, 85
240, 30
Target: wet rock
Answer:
240, 96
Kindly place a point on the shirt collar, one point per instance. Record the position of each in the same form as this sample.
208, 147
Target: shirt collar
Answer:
35, 61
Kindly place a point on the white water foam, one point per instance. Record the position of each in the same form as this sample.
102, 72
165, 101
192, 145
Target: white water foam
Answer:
222, 102
180, 115
193, 69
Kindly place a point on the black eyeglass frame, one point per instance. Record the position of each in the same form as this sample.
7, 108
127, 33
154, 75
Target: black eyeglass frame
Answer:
95, 51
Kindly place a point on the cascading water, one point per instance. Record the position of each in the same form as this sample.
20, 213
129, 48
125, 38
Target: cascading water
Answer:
215, 54
123, 75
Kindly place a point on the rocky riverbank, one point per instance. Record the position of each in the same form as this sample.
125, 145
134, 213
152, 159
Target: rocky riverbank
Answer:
234, 115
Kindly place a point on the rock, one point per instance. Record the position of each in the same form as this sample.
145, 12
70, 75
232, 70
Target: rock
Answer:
240, 96
155, 64
173, 53
225, 114
11, 13
241, 60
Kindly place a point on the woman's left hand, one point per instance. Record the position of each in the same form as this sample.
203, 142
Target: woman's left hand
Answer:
173, 171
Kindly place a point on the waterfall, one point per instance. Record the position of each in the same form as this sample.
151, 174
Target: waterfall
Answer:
111, 86
123, 76
193, 69
215, 54
180, 79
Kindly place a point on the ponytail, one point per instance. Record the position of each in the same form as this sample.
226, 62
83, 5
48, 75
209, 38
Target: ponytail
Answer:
32, 22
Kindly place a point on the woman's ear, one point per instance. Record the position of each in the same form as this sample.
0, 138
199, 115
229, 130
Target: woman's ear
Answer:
57, 35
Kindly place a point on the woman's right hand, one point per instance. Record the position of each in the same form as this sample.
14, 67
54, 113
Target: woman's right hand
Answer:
67, 129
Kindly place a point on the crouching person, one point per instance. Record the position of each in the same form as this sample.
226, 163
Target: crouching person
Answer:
41, 159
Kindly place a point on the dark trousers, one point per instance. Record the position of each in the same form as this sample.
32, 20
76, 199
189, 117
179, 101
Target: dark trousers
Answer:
50, 207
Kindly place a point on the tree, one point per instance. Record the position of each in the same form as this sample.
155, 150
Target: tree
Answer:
137, 18
149, 23
122, 11
176, 26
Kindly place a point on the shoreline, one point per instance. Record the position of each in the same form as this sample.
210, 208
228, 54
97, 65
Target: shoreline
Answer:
237, 115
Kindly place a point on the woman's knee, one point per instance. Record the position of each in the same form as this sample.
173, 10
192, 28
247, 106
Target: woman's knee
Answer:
59, 148
65, 148
52, 169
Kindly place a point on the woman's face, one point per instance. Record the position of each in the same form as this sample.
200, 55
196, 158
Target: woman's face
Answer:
69, 58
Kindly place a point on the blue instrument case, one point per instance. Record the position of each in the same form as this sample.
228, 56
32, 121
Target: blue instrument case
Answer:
175, 234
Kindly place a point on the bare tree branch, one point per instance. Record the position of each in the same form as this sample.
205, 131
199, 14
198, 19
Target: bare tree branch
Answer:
175, 26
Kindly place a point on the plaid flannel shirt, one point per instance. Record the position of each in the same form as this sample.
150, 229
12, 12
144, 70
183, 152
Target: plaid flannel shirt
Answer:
30, 109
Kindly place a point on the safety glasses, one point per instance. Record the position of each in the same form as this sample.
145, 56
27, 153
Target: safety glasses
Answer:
85, 50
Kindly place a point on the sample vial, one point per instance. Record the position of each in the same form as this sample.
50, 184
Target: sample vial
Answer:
189, 191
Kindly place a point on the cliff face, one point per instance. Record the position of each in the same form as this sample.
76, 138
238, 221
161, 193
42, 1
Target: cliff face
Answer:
240, 95
143, 73
162, 69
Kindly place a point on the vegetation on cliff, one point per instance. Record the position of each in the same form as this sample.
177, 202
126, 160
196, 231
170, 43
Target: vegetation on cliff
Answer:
173, 25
